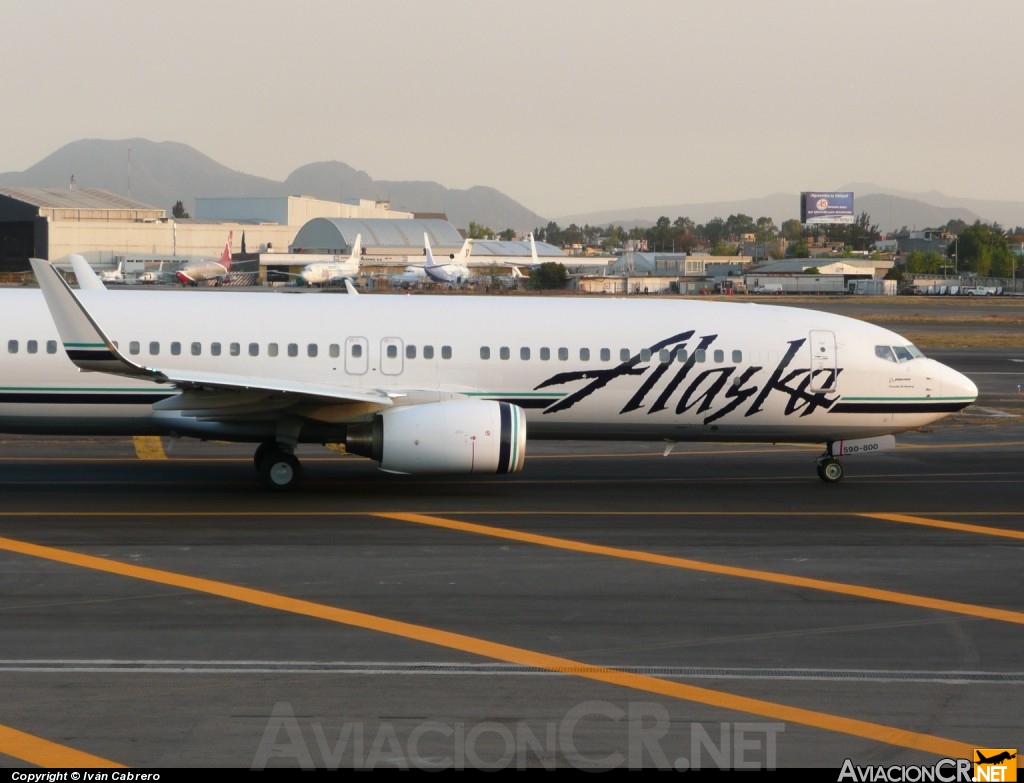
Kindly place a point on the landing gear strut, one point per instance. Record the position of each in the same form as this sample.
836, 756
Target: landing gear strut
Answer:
830, 470
279, 468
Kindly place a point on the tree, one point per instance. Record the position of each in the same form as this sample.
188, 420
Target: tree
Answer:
178, 211
983, 249
792, 230
549, 274
507, 235
476, 231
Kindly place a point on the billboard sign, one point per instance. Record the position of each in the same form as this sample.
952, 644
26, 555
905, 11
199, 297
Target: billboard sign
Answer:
827, 208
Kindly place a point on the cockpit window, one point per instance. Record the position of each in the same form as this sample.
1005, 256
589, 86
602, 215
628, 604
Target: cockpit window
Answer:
897, 353
902, 354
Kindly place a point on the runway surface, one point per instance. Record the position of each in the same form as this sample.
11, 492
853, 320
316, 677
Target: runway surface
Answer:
609, 607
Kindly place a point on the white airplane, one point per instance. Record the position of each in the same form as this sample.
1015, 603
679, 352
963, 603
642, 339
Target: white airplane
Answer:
113, 275
394, 380
207, 271
321, 273
410, 277
453, 272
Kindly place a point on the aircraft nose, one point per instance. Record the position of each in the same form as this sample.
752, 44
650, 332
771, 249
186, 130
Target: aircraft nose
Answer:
957, 387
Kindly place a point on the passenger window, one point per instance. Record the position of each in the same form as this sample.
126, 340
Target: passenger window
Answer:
606, 355
563, 354
545, 354
357, 351
428, 352
410, 352
446, 352
584, 354
254, 349
12, 346
214, 349
485, 352
271, 349
133, 347
737, 357
645, 354
700, 355
664, 356
312, 350
32, 346
624, 355
51, 346
154, 348
503, 352
524, 354
392, 351
719, 356
334, 350
293, 349
234, 349
175, 349
681, 354
197, 349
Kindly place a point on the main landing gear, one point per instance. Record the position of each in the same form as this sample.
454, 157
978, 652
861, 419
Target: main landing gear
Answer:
278, 467
830, 470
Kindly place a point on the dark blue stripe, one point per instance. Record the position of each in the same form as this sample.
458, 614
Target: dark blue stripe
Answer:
505, 447
898, 407
84, 398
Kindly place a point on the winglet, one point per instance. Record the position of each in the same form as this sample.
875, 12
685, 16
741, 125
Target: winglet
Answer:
349, 288
357, 248
87, 278
84, 342
533, 250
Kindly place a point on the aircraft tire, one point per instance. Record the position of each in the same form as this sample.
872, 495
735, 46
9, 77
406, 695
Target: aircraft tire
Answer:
830, 470
280, 470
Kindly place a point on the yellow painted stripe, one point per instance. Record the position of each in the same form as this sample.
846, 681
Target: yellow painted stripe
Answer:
857, 591
940, 523
507, 653
43, 753
149, 447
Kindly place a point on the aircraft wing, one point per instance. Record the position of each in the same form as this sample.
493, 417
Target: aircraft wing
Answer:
90, 349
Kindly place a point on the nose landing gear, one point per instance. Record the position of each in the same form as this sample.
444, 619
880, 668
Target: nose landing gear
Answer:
830, 470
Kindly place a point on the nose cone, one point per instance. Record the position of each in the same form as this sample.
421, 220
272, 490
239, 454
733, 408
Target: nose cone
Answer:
957, 388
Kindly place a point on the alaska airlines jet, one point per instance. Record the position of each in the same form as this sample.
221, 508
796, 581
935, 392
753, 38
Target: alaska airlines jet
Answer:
215, 272
451, 385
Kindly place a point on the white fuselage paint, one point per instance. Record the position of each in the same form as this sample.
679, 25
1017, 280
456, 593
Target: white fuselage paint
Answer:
564, 364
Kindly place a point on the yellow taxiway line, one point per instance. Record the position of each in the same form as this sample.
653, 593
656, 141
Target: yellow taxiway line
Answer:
502, 652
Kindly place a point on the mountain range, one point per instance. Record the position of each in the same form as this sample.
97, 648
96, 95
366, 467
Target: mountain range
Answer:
162, 173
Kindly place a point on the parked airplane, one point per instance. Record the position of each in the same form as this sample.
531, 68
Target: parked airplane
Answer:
113, 275
436, 385
411, 276
321, 273
453, 272
207, 271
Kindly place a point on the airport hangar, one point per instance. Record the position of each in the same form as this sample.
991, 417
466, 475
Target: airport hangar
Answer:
282, 232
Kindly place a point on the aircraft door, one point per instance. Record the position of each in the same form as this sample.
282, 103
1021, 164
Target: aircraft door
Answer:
357, 355
391, 356
823, 361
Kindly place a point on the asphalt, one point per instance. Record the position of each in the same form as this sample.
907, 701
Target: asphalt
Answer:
608, 607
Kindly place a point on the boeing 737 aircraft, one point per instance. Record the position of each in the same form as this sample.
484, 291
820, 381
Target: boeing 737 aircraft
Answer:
321, 273
441, 385
215, 272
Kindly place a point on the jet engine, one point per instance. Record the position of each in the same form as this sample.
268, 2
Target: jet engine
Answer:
455, 436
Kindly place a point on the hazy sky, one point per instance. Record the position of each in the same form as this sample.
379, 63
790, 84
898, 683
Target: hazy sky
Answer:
566, 106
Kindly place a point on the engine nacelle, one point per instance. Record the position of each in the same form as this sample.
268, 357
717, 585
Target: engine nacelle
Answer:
456, 436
